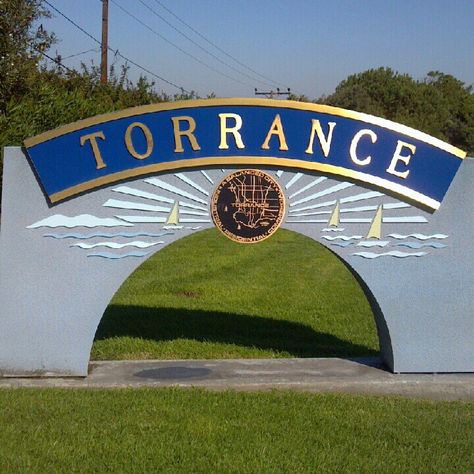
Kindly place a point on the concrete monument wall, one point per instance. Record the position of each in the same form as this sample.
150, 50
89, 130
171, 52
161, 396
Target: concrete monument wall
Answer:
61, 265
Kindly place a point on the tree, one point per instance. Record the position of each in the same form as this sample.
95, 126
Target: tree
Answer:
21, 44
440, 104
456, 101
380, 92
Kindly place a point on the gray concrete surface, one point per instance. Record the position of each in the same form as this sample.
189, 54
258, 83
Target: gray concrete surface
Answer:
49, 315
356, 376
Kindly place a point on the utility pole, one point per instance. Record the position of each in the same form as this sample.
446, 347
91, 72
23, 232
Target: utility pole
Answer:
104, 45
272, 94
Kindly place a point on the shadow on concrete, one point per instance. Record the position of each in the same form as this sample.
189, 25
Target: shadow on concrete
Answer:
166, 324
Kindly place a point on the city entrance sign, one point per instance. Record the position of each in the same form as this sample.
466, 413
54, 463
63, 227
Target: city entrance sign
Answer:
84, 205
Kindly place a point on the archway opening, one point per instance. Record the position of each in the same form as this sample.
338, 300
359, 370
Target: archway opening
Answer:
207, 297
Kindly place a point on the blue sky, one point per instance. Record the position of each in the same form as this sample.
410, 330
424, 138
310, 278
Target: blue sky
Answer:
307, 45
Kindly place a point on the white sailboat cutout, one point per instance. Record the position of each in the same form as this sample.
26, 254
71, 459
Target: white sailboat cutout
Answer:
375, 231
335, 216
334, 220
173, 219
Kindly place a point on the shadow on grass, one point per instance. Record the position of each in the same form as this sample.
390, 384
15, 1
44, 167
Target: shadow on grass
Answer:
166, 324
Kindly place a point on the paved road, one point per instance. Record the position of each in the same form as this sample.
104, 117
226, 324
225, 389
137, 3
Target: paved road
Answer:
358, 376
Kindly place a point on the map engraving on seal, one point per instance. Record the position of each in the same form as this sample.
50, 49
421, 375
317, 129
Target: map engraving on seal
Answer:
248, 206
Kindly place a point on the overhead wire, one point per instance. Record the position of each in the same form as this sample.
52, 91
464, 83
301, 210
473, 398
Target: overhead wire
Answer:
72, 22
56, 61
202, 48
272, 81
117, 52
81, 53
178, 47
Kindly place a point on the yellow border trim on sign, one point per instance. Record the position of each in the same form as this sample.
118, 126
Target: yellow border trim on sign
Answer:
248, 160
289, 104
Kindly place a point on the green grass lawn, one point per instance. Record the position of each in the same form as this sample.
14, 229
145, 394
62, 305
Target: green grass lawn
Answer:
208, 297
191, 431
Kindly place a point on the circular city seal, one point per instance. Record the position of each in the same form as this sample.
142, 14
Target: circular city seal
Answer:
248, 206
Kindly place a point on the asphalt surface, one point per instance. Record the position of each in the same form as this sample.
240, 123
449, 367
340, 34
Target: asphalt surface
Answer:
356, 376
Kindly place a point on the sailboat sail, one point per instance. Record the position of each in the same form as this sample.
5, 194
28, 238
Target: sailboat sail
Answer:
173, 218
334, 219
375, 231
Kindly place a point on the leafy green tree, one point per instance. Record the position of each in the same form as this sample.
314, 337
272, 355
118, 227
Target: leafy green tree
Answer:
455, 108
380, 92
57, 98
21, 42
440, 104
298, 97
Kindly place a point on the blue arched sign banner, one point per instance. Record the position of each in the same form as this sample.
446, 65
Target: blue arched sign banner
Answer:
94, 152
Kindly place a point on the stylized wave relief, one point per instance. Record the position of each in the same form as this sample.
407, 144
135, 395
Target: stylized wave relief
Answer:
116, 256
343, 244
83, 220
419, 245
114, 245
373, 243
394, 253
341, 237
419, 236
77, 235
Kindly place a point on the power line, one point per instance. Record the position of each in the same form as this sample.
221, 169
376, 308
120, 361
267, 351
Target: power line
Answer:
95, 50
210, 53
72, 22
182, 89
215, 45
118, 53
176, 46
56, 61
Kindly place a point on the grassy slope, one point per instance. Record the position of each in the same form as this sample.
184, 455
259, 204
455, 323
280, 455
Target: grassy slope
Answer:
208, 297
193, 431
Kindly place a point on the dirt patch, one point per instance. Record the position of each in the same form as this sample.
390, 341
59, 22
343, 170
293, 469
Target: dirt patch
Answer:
188, 294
